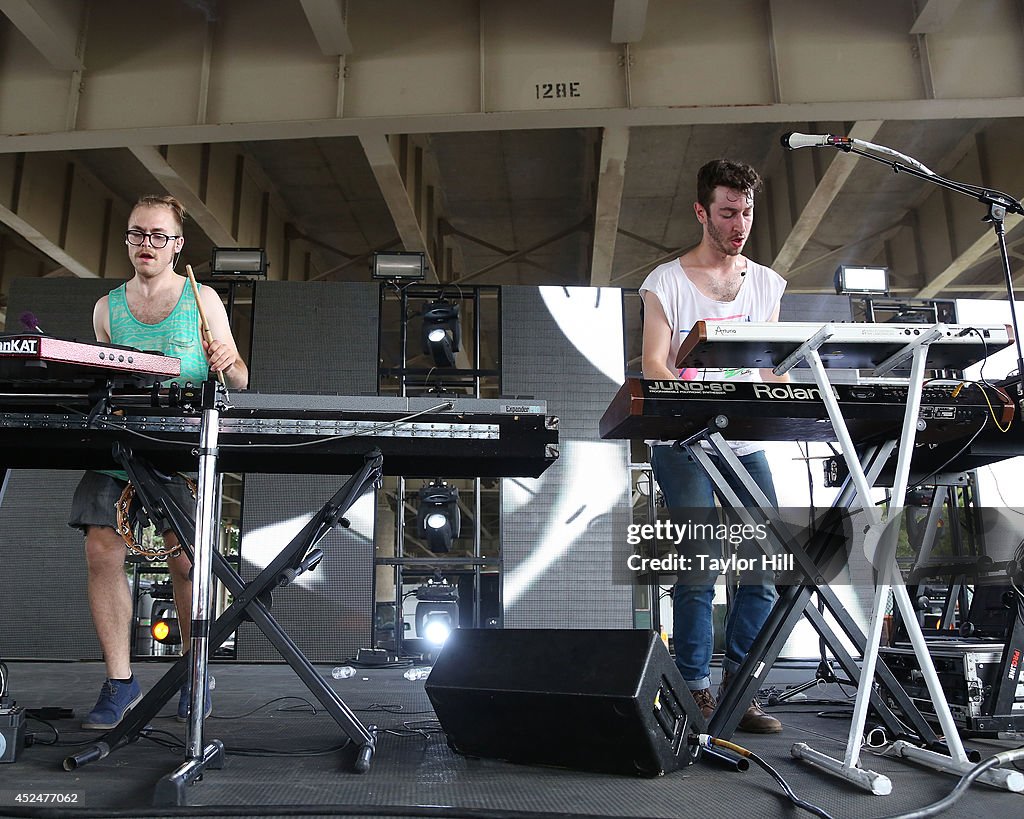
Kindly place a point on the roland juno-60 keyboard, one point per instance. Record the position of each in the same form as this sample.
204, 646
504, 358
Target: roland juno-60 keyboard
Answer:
745, 410
30, 357
850, 346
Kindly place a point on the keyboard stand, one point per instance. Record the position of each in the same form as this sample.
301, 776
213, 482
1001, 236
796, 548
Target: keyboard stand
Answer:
250, 601
794, 600
880, 547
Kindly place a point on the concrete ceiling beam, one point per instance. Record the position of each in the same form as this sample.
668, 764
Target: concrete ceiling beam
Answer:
821, 200
51, 27
611, 178
933, 15
327, 20
397, 196
153, 161
629, 19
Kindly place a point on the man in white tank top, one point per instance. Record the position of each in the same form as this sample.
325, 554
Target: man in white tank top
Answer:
712, 282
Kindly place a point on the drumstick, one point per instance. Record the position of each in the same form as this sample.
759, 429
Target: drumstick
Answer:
202, 317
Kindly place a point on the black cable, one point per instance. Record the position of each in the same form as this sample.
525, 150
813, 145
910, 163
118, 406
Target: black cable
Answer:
965, 782
51, 726
836, 713
258, 708
174, 743
273, 752
796, 800
807, 701
422, 728
165, 739
705, 740
924, 481
981, 382
380, 708
89, 740
376, 707
984, 344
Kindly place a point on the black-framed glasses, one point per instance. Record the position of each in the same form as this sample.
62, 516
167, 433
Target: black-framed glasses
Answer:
156, 240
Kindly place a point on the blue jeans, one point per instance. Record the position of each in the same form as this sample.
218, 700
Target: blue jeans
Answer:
684, 483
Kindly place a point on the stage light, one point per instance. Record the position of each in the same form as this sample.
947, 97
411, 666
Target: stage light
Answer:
436, 624
399, 264
437, 613
437, 519
166, 630
442, 333
239, 262
858, 280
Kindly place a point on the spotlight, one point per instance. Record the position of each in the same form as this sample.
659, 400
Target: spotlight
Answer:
166, 630
399, 264
239, 262
442, 333
437, 518
437, 613
857, 280
434, 624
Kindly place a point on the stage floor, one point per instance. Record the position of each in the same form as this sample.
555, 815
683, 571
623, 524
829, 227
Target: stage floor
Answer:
286, 757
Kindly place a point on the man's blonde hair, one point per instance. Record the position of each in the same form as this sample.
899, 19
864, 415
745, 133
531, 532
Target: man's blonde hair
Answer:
167, 201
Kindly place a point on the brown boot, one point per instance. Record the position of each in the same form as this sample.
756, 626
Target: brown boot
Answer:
754, 719
705, 701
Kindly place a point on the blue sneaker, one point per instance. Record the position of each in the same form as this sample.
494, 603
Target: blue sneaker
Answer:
185, 699
116, 700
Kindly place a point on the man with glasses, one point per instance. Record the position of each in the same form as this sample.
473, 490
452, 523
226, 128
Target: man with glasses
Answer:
154, 310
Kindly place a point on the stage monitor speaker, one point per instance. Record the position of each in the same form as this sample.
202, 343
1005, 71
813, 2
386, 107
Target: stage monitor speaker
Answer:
605, 700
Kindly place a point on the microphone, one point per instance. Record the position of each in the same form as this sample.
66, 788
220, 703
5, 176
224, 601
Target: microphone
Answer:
30, 322
793, 140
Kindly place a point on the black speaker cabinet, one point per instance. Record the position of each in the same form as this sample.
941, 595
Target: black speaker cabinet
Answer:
610, 701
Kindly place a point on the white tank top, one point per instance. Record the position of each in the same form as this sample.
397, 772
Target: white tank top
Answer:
684, 305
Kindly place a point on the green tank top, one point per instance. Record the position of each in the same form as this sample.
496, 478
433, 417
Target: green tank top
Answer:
176, 335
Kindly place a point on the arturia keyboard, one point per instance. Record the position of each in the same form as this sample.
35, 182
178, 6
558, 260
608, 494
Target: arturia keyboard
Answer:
745, 410
850, 346
288, 433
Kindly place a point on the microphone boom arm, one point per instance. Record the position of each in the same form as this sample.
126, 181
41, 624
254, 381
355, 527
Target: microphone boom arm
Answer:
998, 205
892, 152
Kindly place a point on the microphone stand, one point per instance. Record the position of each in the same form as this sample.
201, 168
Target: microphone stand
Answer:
998, 204
880, 536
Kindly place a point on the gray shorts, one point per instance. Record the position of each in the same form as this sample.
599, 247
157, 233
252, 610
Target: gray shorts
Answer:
97, 494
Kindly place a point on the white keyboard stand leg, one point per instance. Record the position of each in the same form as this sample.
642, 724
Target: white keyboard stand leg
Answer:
880, 546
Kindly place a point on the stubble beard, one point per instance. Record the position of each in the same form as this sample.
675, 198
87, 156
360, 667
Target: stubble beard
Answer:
719, 242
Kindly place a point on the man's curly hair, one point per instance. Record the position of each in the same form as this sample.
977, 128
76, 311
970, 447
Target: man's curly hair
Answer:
736, 175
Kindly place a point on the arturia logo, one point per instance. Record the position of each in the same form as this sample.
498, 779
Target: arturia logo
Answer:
721, 330
19, 346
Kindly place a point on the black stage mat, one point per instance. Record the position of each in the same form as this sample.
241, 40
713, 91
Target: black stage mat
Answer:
283, 752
